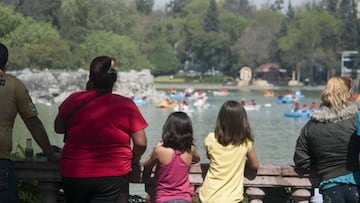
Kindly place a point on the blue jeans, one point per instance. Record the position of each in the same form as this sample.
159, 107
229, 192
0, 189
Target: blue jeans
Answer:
8, 182
177, 201
344, 193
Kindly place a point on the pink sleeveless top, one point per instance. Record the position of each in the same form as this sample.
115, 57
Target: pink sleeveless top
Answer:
173, 180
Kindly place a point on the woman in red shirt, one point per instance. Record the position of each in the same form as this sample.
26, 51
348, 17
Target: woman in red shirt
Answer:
98, 156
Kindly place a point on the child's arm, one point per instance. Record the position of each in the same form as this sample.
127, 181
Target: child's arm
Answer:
150, 162
195, 155
150, 182
252, 164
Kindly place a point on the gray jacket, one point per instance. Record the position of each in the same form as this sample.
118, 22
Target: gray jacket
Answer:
328, 144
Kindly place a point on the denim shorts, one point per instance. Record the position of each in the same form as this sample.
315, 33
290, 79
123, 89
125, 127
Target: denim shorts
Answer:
177, 201
343, 193
8, 182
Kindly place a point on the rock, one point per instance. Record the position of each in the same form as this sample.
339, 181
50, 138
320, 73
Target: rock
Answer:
53, 86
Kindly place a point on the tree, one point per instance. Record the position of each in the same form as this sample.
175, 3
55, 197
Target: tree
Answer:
232, 24
290, 12
256, 44
241, 7
123, 48
211, 20
43, 10
277, 5
163, 57
144, 6
331, 6
9, 19
312, 40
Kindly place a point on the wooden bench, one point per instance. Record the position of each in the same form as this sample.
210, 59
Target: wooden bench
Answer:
263, 187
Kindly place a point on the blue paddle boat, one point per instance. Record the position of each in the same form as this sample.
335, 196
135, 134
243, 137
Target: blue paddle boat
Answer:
298, 114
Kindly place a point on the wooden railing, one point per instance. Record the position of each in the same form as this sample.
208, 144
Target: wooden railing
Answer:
260, 189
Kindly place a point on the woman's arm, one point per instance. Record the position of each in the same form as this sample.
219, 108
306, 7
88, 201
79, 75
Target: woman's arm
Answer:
59, 125
139, 145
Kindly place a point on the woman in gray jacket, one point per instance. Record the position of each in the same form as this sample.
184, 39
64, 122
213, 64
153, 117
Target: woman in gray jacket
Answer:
328, 144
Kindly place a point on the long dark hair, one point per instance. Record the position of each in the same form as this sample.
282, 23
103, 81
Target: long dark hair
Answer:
232, 125
101, 76
178, 132
4, 56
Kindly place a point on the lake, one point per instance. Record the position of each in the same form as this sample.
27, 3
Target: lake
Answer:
275, 135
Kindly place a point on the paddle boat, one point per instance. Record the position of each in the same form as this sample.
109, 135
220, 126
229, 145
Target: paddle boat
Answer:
177, 95
184, 107
250, 107
140, 101
167, 104
268, 93
285, 99
201, 103
298, 114
298, 94
221, 92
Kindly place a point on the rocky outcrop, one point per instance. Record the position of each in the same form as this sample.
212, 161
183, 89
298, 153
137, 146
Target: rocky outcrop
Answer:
54, 86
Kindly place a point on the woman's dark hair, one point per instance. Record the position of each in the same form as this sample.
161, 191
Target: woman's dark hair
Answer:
102, 75
232, 125
4, 56
178, 132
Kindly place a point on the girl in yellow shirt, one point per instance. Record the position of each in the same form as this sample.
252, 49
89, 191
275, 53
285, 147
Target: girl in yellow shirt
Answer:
229, 148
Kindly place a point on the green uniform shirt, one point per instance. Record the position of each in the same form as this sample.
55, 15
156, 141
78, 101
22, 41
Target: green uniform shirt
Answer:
14, 98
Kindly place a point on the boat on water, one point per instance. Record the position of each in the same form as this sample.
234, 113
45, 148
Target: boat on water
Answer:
185, 109
201, 104
250, 107
298, 114
177, 95
268, 93
140, 101
221, 92
166, 104
286, 99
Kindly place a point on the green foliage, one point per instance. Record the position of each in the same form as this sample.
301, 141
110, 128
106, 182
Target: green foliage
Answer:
36, 32
211, 20
163, 57
9, 20
224, 34
121, 47
144, 6
28, 190
232, 24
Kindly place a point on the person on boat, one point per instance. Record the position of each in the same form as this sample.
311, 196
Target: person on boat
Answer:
328, 145
313, 105
296, 105
105, 139
243, 101
280, 96
252, 102
172, 156
304, 107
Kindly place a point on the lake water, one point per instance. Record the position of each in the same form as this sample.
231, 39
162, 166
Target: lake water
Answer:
275, 135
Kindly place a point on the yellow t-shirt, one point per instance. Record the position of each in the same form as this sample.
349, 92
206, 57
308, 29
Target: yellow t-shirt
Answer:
14, 98
225, 177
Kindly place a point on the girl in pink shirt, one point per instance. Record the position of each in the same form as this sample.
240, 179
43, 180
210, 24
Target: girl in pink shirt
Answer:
172, 156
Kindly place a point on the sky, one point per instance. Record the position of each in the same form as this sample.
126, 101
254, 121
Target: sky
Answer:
160, 4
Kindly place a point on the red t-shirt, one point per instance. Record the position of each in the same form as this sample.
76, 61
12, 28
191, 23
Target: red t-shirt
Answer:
98, 142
